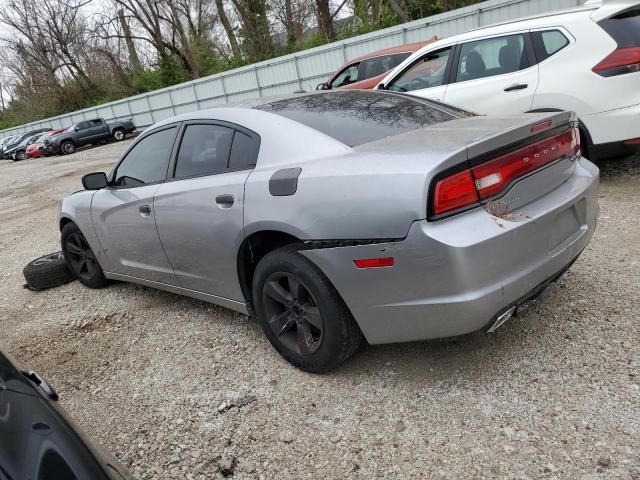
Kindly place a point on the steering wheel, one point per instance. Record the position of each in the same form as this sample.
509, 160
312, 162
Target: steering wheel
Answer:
418, 83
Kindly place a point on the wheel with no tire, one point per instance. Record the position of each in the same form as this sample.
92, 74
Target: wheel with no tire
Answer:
20, 155
118, 134
47, 271
301, 313
81, 260
68, 147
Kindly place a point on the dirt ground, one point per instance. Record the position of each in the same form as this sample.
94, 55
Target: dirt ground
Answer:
177, 388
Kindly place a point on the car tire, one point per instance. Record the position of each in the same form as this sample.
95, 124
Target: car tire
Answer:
67, 147
47, 271
301, 313
80, 259
118, 134
20, 155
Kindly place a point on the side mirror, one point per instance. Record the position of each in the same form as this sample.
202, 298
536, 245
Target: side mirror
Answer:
323, 86
77, 129
381, 87
95, 181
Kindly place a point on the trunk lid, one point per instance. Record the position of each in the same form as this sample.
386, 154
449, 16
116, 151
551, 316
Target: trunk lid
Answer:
476, 143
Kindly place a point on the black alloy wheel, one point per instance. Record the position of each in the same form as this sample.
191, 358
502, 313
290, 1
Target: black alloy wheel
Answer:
68, 148
292, 313
81, 259
301, 313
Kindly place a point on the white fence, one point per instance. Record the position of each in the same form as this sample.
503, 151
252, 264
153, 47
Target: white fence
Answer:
302, 70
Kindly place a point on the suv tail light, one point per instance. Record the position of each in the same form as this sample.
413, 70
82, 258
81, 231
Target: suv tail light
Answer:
620, 61
467, 188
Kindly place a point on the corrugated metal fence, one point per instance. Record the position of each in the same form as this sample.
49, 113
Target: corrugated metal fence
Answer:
302, 70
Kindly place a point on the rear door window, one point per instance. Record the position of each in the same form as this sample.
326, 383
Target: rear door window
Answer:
376, 66
204, 150
491, 56
547, 43
244, 152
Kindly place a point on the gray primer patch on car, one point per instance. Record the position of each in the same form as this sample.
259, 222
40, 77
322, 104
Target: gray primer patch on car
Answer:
284, 182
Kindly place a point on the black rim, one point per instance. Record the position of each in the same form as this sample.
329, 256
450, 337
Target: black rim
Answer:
292, 313
81, 257
54, 257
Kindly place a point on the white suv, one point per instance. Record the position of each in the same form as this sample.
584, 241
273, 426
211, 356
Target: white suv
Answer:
586, 60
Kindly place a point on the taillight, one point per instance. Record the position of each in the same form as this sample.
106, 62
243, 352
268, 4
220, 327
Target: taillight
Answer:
454, 192
621, 60
489, 179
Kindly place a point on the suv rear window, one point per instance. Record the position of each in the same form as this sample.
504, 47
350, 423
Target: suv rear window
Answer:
624, 28
359, 117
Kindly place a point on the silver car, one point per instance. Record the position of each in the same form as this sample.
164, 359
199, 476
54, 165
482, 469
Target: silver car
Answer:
333, 217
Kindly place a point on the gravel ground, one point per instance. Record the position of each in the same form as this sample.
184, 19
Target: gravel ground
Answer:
177, 388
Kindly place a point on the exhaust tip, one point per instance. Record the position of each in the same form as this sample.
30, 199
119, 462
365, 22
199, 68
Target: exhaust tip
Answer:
502, 318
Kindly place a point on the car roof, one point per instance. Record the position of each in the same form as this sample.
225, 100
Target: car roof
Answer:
409, 47
523, 23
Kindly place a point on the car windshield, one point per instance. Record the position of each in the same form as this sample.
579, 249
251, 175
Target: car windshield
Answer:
359, 117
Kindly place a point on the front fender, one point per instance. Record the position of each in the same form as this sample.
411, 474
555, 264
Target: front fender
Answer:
77, 208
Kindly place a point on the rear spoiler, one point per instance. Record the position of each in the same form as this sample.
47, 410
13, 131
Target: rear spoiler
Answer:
607, 8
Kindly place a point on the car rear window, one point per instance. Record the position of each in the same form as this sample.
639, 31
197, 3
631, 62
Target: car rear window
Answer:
624, 28
359, 117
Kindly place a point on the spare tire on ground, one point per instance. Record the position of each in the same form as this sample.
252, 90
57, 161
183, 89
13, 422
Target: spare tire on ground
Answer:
47, 271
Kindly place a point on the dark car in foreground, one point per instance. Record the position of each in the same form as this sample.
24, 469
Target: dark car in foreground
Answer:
38, 441
377, 215
88, 132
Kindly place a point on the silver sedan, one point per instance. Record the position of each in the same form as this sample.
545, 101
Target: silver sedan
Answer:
341, 216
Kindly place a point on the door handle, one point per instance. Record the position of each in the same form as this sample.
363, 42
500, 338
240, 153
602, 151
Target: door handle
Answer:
517, 86
225, 200
145, 210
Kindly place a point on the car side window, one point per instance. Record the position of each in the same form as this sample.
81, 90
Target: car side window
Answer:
425, 73
83, 125
244, 152
204, 150
347, 76
147, 161
547, 43
95, 123
376, 66
492, 56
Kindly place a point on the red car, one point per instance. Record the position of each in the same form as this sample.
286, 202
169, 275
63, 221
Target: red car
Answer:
36, 150
366, 71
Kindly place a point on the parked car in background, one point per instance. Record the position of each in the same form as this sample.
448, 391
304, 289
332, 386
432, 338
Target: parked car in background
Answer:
88, 132
38, 148
5, 141
17, 140
366, 71
38, 440
18, 152
379, 214
586, 60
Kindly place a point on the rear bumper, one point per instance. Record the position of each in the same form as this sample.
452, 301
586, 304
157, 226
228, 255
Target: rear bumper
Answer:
614, 126
453, 277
